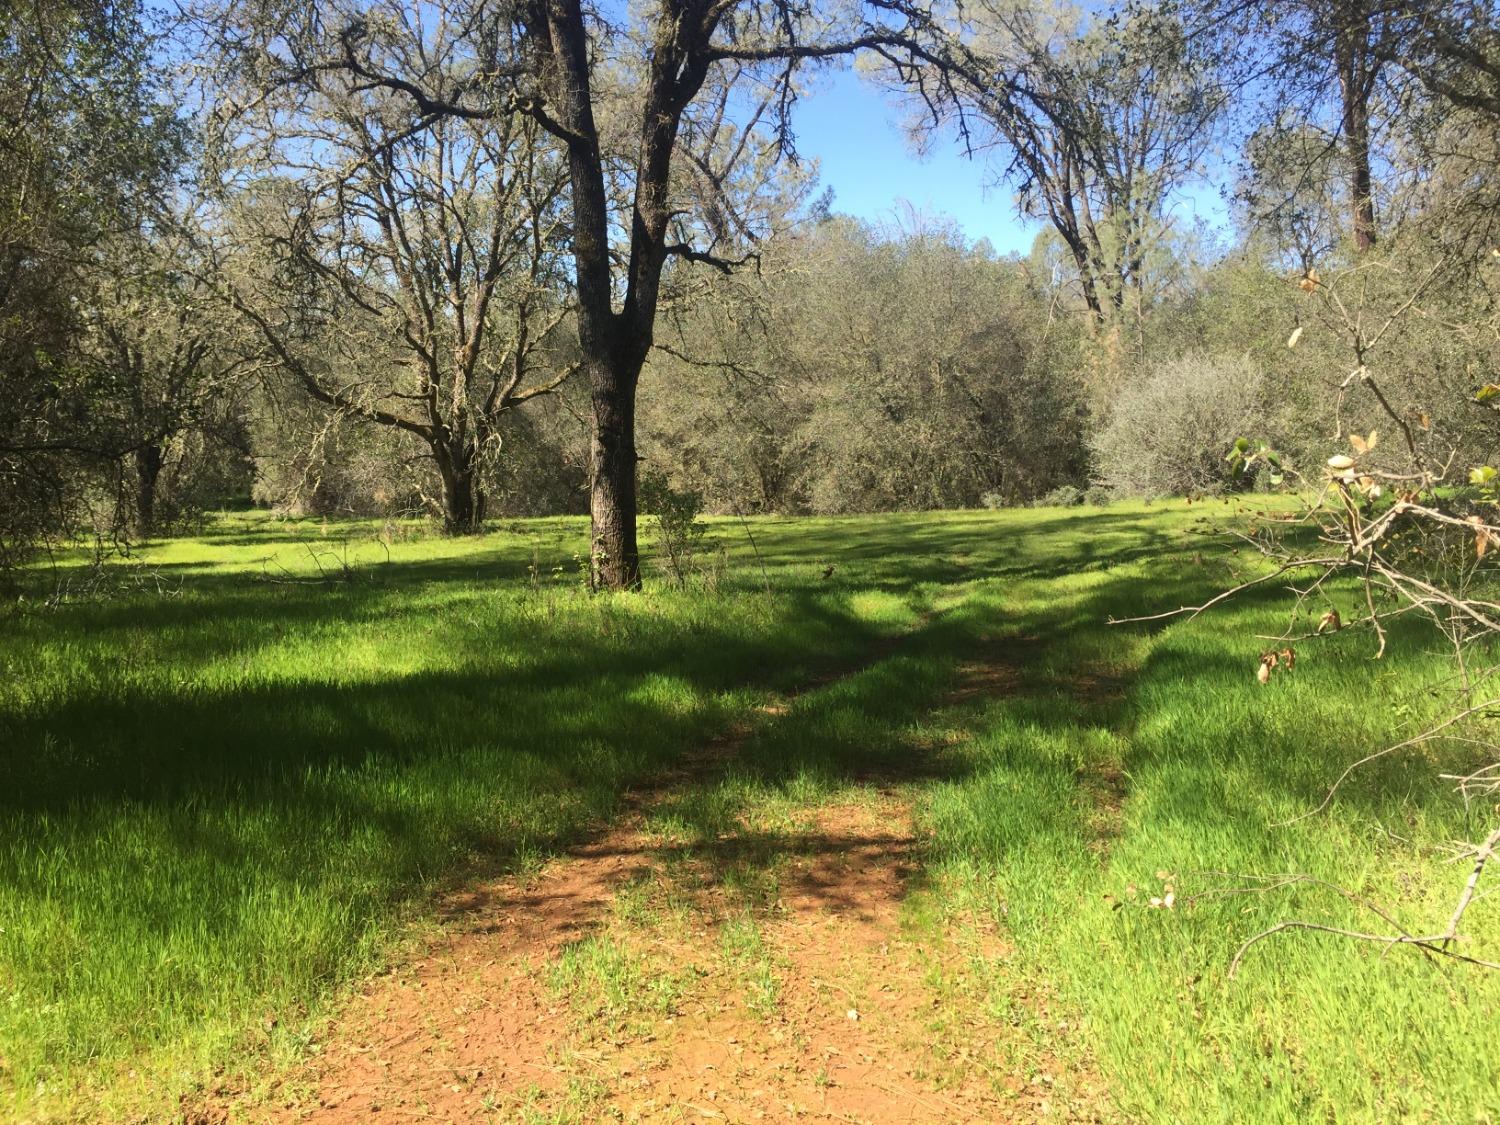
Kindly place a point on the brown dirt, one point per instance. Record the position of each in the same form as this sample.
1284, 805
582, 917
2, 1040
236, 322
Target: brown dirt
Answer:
769, 974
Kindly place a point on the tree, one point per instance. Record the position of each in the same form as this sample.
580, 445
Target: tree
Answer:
1319, 65
1290, 196
1098, 123
88, 145
869, 370
410, 275
1168, 431
624, 102
1355, 28
162, 366
1452, 49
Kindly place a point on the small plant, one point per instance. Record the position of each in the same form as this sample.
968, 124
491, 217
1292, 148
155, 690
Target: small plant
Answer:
1064, 496
676, 516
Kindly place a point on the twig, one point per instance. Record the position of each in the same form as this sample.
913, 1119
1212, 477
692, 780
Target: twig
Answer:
1194, 610
1426, 944
1368, 758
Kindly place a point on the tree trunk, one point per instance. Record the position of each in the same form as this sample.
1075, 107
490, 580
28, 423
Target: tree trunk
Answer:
463, 495
1362, 183
1356, 66
615, 555
148, 463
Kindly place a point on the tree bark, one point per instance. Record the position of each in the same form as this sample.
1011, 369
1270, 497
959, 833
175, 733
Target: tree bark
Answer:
148, 464
463, 495
616, 559
1354, 57
615, 343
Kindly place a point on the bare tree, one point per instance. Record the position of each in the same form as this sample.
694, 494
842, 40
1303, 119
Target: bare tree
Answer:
1098, 124
412, 274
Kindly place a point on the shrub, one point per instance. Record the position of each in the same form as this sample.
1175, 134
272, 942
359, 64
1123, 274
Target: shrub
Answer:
1167, 434
679, 530
1063, 496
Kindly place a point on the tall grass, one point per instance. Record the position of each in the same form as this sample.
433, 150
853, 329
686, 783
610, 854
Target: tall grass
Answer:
225, 800
1215, 772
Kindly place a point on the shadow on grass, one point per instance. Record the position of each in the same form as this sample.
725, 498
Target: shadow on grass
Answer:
168, 742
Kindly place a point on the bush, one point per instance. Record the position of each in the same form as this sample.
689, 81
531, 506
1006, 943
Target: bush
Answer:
676, 514
1063, 496
1168, 433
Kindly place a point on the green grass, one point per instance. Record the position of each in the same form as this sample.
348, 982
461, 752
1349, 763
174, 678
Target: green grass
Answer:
234, 782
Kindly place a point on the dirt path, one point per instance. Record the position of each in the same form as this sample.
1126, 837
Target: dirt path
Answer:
768, 972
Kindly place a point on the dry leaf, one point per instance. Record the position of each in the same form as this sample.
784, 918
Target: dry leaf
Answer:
1263, 673
1330, 622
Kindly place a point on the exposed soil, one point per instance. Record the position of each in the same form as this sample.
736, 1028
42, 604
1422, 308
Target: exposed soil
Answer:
768, 974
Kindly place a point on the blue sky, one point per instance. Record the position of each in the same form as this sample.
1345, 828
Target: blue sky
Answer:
852, 129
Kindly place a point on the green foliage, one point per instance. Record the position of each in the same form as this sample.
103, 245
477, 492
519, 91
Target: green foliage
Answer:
1244, 456
89, 143
867, 370
1175, 771
1063, 496
1167, 432
221, 803
675, 514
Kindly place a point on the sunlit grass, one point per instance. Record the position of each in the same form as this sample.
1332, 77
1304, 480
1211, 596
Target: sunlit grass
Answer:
229, 786
1213, 767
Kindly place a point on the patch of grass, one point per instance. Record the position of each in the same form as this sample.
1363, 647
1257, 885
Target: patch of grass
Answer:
222, 803
607, 983
1206, 767
742, 946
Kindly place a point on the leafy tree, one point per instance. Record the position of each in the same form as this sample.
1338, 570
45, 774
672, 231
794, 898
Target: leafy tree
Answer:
168, 383
88, 143
1098, 124
871, 371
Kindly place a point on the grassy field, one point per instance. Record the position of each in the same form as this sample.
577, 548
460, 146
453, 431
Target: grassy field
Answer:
234, 783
